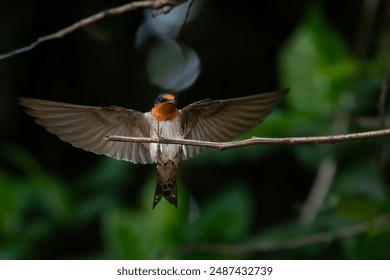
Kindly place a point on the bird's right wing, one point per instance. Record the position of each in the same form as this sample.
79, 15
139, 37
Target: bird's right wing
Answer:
85, 127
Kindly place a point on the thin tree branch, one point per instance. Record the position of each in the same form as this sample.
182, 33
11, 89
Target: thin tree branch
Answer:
186, 17
294, 243
370, 122
257, 140
160, 7
188, 11
369, 11
318, 192
382, 99
382, 112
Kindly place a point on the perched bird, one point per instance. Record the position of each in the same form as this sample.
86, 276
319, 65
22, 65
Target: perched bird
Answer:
210, 120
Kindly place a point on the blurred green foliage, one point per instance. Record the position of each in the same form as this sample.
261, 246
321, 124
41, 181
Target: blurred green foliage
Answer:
90, 216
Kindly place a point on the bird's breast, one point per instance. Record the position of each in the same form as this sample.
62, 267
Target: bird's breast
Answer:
166, 153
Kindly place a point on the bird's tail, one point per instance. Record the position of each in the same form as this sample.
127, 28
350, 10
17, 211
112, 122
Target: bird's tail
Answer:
166, 185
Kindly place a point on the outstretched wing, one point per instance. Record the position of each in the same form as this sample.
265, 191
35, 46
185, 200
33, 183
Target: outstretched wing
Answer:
224, 120
85, 127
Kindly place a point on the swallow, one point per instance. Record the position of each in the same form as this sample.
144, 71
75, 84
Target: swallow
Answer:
86, 127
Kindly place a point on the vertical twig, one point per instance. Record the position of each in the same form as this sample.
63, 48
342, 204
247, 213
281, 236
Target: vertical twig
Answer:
365, 27
382, 111
188, 12
382, 99
319, 190
187, 15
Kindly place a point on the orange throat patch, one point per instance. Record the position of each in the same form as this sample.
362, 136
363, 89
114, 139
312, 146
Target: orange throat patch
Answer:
165, 112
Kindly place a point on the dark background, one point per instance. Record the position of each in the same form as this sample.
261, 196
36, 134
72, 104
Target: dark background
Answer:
58, 202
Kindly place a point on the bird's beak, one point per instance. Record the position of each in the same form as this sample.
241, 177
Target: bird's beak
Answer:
171, 101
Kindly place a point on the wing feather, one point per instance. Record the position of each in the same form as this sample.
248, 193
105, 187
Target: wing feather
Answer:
86, 126
224, 120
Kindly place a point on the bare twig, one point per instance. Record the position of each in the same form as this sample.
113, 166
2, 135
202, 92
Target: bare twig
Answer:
186, 17
160, 7
299, 242
382, 111
382, 99
188, 11
365, 28
370, 122
318, 192
258, 140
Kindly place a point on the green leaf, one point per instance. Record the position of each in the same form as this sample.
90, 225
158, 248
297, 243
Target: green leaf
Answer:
316, 65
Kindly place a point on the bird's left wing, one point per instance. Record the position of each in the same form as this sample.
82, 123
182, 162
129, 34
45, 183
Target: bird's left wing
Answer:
85, 127
224, 120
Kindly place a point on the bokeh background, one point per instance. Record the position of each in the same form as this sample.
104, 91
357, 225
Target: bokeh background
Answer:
263, 202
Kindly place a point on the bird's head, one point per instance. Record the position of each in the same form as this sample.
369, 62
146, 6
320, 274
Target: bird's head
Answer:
165, 98
165, 107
